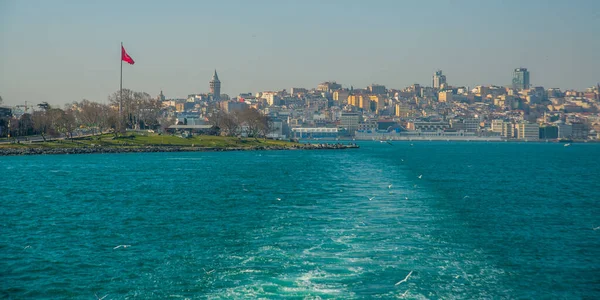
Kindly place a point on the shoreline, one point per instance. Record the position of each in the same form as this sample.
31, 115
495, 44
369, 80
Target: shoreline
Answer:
20, 151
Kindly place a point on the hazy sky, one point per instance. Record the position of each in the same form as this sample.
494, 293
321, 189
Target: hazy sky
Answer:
63, 51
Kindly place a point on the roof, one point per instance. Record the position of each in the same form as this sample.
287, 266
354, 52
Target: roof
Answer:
190, 126
215, 76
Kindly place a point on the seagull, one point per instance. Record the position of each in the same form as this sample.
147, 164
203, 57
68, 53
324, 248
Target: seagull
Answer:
389, 186
465, 197
420, 176
208, 272
596, 228
341, 191
99, 297
405, 198
278, 199
404, 294
405, 278
371, 198
27, 247
411, 144
124, 246
402, 159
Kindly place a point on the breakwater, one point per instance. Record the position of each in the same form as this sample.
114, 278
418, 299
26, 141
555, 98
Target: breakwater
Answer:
128, 149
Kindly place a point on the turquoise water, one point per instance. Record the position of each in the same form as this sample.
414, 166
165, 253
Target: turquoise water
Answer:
485, 220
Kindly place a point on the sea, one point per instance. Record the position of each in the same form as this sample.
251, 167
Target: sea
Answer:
408, 220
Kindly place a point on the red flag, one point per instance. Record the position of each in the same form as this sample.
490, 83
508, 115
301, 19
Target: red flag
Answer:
125, 57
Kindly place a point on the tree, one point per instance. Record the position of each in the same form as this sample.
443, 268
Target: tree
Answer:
226, 123
25, 125
257, 124
41, 123
88, 113
165, 121
139, 109
65, 122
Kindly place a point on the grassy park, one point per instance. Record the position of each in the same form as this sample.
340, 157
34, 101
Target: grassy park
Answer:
152, 139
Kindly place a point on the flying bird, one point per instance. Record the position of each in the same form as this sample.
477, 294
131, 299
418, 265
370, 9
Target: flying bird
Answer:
208, 272
420, 176
596, 228
278, 199
371, 198
405, 278
99, 297
123, 246
389, 186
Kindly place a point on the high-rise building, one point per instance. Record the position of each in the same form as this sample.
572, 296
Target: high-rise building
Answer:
215, 87
438, 79
520, 79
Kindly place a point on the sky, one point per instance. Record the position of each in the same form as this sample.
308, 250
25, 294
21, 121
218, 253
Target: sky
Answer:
62, 51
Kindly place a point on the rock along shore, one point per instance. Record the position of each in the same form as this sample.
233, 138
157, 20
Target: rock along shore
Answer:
126, 149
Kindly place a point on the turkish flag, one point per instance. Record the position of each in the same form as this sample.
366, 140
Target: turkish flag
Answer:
125, 57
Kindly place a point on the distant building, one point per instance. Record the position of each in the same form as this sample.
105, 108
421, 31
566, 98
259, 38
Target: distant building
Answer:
328, 86
377, 103
377, 89
5, 112
161, 96
296, 91
231, 106
215, 87
520, 79
438, 79
341, 96
445, 96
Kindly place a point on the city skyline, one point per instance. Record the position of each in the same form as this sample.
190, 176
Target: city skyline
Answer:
273, 46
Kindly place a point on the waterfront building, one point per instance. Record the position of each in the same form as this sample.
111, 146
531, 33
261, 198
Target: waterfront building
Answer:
314, 132
427, 126
528, 131
564, 130
350, 121
549, 132
215, 87
520, 79
508, 130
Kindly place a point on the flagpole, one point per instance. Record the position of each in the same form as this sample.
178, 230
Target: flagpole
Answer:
121, 86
